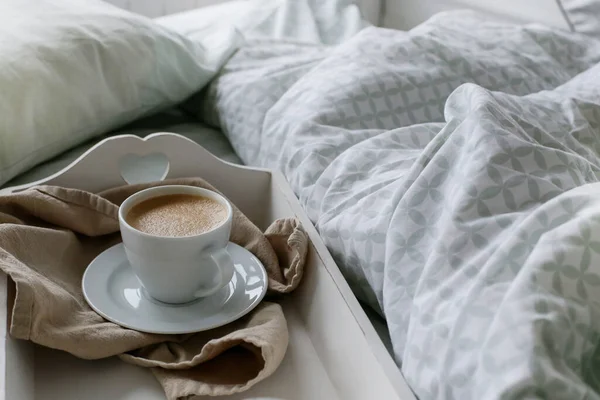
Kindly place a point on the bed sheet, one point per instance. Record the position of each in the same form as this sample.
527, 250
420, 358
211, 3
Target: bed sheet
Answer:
172, 120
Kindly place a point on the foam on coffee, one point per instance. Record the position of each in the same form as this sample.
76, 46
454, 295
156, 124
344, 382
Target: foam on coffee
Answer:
177, 215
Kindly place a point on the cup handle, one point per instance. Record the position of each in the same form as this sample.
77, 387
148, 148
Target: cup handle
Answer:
225, 265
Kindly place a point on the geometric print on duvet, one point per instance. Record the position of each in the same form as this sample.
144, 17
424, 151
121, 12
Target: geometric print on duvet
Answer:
452, 171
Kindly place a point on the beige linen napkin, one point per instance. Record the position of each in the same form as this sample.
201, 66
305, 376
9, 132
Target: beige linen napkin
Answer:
48, 236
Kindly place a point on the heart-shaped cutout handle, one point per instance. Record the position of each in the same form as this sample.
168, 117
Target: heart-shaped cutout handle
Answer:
143, 169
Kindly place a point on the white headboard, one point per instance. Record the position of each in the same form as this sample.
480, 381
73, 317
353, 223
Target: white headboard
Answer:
398, 14
158, 8
405, 14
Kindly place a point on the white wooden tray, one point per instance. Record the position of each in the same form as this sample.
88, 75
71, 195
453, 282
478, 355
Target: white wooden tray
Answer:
334, 352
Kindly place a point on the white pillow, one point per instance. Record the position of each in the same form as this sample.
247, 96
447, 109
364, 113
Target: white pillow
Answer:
73, 69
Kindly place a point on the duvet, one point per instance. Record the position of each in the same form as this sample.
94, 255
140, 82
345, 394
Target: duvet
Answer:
453, 173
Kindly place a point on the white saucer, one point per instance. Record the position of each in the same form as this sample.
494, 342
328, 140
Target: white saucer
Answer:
113, 291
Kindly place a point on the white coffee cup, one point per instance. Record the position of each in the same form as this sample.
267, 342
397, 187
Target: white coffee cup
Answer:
178, 269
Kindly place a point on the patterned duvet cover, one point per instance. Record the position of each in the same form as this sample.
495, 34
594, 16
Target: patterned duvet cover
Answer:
452, 171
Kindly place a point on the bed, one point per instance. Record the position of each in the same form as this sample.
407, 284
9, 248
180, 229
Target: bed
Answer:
452, 171
186, 16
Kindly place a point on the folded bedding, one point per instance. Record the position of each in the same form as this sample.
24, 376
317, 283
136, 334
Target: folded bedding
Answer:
452, 171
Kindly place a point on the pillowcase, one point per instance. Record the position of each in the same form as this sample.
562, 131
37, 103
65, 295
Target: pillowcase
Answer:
583, 16
74, 69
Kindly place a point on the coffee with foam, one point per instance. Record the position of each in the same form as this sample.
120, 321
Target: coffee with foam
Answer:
177, 215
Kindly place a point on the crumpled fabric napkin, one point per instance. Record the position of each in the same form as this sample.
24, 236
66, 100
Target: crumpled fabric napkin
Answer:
48, 236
